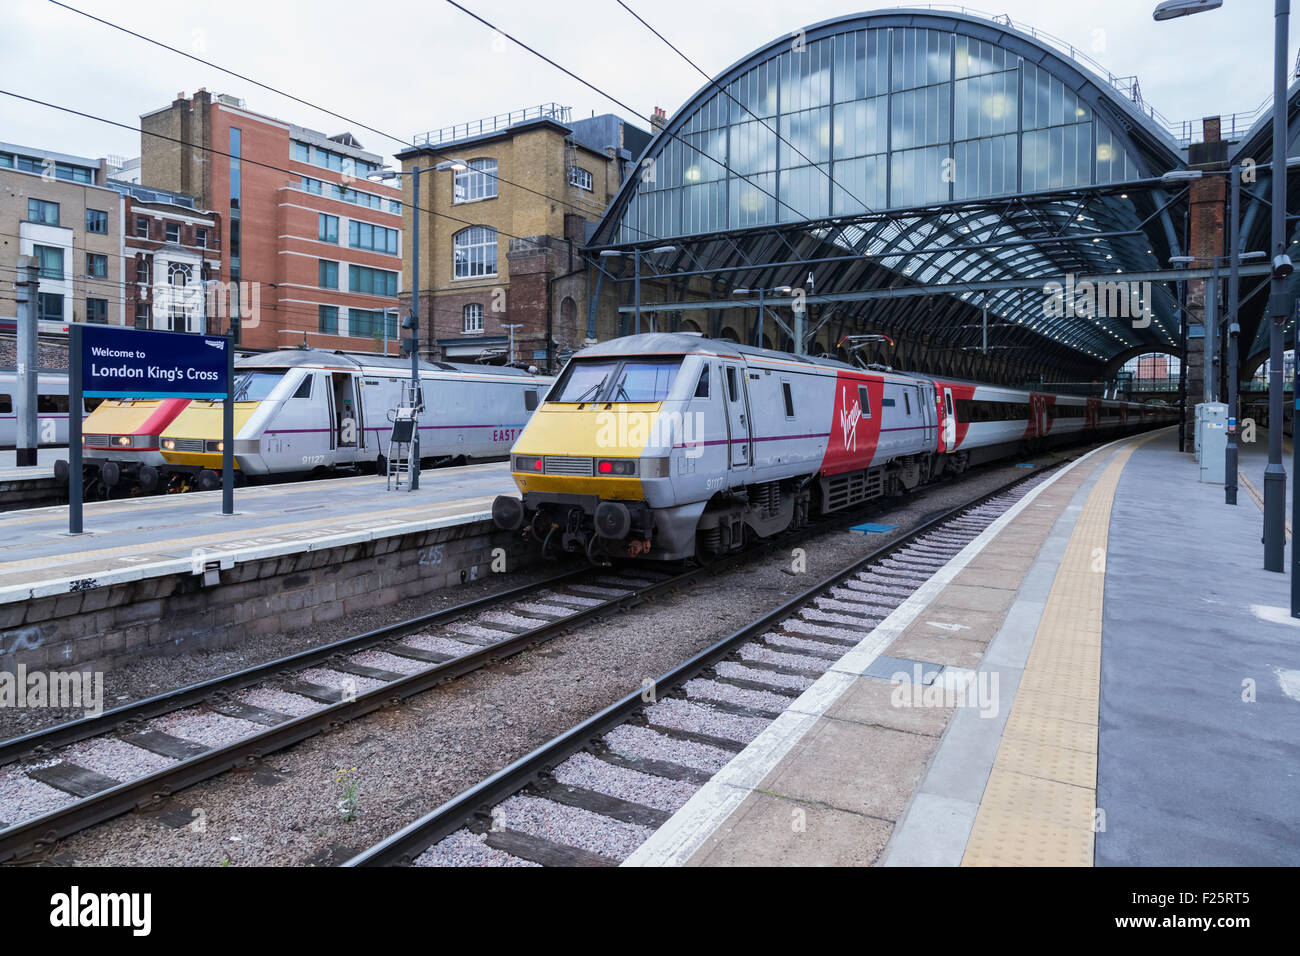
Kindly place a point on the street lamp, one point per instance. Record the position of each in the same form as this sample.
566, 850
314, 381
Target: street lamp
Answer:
412, 320
762, 294
1279, 305
636, 275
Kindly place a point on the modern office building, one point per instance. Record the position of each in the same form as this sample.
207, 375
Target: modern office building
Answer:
59, 209
310, 249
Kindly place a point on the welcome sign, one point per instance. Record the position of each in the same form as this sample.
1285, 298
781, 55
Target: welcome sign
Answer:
134, 363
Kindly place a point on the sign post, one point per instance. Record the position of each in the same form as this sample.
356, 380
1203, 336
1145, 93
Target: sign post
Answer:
76, 405
107, 361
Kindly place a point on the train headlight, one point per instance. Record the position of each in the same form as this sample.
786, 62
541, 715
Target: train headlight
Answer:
216, 446
123, 440
528, 463
169, 444
616, 466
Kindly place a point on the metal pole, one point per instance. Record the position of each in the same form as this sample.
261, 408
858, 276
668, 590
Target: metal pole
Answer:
415, 324
75, 404
1211, 332
1279, 308
228, 418
29, 367
798, 328
636, 286
1182, 378
758, 329
1234, 283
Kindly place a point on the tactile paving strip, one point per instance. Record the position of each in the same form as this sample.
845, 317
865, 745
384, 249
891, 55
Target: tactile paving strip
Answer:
1040, 802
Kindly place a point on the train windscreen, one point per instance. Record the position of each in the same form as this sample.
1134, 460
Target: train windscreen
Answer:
605, 381
257, 386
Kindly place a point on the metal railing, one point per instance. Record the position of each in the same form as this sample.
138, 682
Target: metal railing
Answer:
493, 124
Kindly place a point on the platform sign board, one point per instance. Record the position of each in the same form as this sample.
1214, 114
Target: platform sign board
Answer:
118, 362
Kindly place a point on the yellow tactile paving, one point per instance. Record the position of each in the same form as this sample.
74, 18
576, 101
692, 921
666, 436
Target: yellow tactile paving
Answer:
1040, 800
1257, 496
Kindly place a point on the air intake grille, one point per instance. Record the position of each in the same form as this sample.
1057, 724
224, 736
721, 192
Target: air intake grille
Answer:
573, 467
189, 444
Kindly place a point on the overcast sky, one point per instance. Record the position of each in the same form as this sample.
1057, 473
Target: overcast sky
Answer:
403, 66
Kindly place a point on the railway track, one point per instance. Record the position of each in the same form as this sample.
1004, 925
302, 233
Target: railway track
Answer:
63, 779
592, 795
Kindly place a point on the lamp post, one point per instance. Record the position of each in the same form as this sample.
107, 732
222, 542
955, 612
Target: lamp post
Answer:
762, 297
412, 320
1279, 304
637, 253
1228, 322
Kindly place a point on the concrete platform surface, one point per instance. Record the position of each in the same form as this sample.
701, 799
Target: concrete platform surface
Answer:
134, 538
1132, 697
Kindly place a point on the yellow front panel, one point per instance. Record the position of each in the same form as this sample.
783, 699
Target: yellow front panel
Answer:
618, 431
115, 417
203, 420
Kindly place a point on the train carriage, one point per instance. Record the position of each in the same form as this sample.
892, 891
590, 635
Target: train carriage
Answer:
672, 445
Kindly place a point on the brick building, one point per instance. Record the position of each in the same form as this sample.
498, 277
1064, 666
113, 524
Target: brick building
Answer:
59, 209
310, 250
501, 225
173, 252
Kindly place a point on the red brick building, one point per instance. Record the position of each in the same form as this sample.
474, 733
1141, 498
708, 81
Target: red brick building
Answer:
311, 250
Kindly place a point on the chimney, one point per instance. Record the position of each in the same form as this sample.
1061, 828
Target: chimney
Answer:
1210, 127
658, 119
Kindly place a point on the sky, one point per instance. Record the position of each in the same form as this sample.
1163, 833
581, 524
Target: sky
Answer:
407, 66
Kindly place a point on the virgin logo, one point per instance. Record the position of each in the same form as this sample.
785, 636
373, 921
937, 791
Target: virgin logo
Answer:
850, 415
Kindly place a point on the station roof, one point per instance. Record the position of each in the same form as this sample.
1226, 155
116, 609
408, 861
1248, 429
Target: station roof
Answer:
910, 169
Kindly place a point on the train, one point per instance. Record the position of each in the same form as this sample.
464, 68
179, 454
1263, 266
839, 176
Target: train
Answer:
51, 407
671, 446
302, 412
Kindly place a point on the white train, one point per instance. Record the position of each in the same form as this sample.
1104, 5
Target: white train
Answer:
312, 411
51, 407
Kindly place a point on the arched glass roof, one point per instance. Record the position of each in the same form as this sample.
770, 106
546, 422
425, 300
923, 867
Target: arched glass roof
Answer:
940, 148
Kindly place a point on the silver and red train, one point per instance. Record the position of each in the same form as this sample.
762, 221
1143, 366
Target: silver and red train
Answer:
669, 446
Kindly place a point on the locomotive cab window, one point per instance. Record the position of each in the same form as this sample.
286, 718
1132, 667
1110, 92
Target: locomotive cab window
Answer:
789, 399
864, 401
530, 399
256, 386
304, 388
702, 386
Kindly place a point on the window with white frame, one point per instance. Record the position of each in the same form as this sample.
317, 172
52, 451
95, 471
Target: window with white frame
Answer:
580, 177
179, 274
475, 252
477, 181
473, 316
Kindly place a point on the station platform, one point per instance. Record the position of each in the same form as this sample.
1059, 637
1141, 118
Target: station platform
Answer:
30, 486
169, 573
130, 538
1109, 678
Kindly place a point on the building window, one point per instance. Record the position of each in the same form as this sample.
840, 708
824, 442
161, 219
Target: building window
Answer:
142, 271
173, 232
96, 265
142, 315
473, 317
580, 177
142, 227
177, 321
236, 174
50, 260
50, 306
178, 274
364, 235
327, 228
234, 239
475, 251
327, 274
201, 238
366, 323
97, 221
478, 181
327, 319
372, 281
45, 213
97, 311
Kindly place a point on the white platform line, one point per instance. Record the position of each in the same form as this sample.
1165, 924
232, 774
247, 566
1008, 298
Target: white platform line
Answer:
674, 843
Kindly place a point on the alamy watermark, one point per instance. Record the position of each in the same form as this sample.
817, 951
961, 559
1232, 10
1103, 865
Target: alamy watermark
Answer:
80, 690
1120, 299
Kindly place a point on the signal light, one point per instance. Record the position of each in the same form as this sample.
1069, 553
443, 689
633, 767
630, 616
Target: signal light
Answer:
616, 466
606, 467
537, 465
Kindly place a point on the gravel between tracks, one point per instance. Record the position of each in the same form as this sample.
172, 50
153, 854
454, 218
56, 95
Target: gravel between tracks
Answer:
414, 757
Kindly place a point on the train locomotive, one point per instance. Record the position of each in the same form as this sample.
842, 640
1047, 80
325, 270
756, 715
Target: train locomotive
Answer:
669, 445
305, 411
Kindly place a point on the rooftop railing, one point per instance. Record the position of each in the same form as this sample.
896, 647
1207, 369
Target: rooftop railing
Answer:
493, 124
